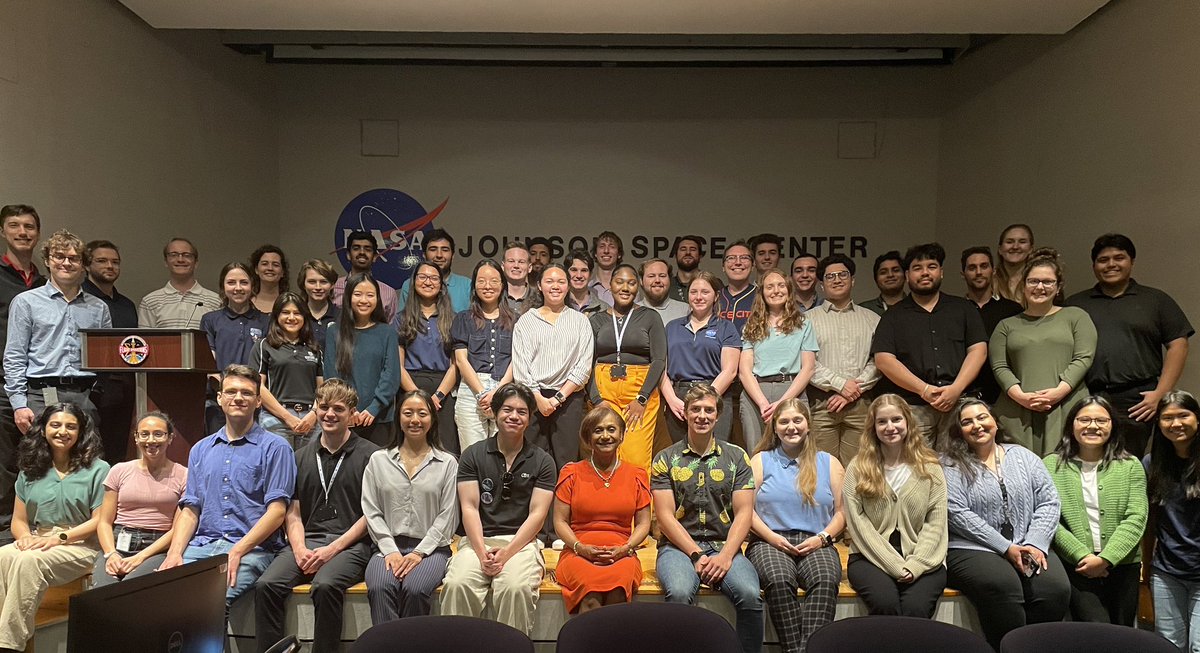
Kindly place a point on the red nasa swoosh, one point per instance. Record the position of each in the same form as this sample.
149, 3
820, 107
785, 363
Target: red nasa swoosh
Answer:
415, 225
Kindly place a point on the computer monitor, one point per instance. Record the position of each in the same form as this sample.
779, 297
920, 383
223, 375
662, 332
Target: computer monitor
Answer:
179, 610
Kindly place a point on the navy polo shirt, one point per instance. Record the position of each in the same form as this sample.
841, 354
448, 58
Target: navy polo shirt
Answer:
696, 355
321, 325
232, 336
427, 351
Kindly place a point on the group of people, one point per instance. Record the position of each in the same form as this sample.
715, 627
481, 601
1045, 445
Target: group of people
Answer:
356, 428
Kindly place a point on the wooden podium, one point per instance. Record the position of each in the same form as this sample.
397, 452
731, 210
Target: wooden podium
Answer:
170, 368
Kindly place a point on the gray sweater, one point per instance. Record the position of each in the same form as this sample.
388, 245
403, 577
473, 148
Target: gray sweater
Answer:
976, 510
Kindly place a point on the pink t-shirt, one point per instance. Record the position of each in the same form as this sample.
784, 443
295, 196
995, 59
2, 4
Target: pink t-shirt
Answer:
142, 501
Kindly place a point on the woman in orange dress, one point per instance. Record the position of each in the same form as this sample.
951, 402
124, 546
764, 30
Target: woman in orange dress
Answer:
602, 514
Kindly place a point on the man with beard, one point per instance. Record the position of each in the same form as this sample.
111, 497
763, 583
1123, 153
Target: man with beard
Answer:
889, 278
361, 250
522, 296
930, 346
113, 395
608, 252
804, 275
539, 258
656, 288
978, 267
687, 258
766, 248
439, 250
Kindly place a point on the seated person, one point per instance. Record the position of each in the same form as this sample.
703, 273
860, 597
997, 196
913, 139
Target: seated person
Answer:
711, 485
505, 486
141, 499
324, 524
240, 480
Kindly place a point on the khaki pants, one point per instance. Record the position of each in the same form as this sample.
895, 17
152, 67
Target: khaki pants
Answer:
514, 590
839, 433
24, 577
934, 425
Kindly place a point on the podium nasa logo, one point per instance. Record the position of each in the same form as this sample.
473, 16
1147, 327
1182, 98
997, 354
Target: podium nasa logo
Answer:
397, 221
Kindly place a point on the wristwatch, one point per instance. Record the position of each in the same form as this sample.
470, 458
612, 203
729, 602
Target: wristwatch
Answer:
62, 537
642, 399
826, 539
439, 395
560, 397
695, 556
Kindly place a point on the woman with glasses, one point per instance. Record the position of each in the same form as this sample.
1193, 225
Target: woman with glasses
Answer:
1040, 357
424, 336
141, 498
1104, 509
482, 340
1003, 512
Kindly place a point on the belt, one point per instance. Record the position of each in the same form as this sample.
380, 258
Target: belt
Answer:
1118, 388
70, 382
691, 382
775, 378
141, 531
296, 408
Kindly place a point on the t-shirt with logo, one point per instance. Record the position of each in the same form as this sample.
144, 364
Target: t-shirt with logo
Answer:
291, 369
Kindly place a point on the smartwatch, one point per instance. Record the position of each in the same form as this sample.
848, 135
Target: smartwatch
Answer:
560, 397
826, 539
439, 395
642, 399
695, 556
62, 537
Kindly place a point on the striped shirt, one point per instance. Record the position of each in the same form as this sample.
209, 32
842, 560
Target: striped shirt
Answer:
167, 308
844, 337
546, 355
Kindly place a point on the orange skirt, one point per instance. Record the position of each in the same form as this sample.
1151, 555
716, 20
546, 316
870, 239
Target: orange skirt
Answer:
578, 577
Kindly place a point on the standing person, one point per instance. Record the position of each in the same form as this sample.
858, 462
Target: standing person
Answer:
21, 228
439, 252
896, 514
59, 491
1142, 343
233, 330
325, 526
259, 467
1014, 247
1174, 464
888, 273
362, 251
481, 337
978, 271
505, 487
141, 500
113, 394
930, 346
797, 516
766, 249
656, 291
1039, 359
43, 362
539, 258
845, 375
703, 491
410, 502
687, 252
288, 362
602, 515
805, 278
103, 262
1104, 511
183, 301
315, 280
736, 298
779, 354
608, 252
424, 337
270, 278
631, 355
1003, 511
362, 349
520, 294
552, 356
581, 296
701, 348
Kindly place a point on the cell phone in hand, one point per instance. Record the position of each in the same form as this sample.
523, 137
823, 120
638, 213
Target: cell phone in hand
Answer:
1030, 565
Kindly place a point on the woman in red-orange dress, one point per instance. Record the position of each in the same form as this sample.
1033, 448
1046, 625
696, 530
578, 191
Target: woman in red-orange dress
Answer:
602, 514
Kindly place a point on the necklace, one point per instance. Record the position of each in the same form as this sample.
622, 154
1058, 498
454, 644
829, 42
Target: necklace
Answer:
607, 481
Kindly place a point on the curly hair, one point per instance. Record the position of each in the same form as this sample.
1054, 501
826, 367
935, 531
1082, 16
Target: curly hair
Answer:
33, 453
757, 328
257, 256
868, 464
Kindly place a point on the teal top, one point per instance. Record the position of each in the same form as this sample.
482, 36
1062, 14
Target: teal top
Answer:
1123, 509
67, 501
780, 353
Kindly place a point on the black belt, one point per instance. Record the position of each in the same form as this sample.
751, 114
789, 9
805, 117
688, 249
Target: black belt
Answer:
68, 382
296, 408
141, 531
1118, 388
775, 378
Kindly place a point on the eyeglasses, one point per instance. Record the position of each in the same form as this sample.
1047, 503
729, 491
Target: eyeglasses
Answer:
738, 257
1088, 421
506, 486
151, 436
428, 278
234, 394
63, 258
1034, 283
830, 276
183, 255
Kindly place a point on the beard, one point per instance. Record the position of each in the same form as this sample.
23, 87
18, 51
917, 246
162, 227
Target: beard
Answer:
937, 285
687, 267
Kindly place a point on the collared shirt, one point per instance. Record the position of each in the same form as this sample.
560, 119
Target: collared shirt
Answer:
345, 488
844, 338
167, 308
703, 485
120, 308
483, 463
877, 305
995, 310
232, 336
696, 355
679, 290
593, 304
779, 501
457, 286
427, 351
291, 370
782, 353
600, 290
231, 483
489, 346
43, 337
28, 277
931, 344
546, 355
387, 296
423, 506
670, 309
67, 501
817, 301
736, 308
12, 283
1132, 330
320, 325
519, 305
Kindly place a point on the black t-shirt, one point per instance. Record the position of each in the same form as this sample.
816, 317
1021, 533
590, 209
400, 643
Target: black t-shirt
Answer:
483, 463
120, 307
345, 490
996, 309
931, 344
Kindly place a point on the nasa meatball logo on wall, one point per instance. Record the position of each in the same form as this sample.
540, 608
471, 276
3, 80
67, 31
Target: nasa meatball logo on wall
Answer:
397, 221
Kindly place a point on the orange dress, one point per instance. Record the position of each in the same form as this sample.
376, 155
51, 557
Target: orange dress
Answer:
600, 516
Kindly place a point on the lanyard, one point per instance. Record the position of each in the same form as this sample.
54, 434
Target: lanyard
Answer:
321, 473
620, 333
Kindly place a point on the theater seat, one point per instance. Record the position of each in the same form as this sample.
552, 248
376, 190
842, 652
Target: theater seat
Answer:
647, 628
443, 634
895, 635
1078, 637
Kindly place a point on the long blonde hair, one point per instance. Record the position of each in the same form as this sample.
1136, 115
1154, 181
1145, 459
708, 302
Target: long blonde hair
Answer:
806, 479
868, 464
757, 329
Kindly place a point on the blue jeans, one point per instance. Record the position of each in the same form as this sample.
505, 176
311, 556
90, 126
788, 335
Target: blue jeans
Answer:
1176, 610
253, 565
276, 426
680, 582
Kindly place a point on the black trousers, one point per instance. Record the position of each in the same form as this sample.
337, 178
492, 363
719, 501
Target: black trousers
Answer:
9, 438
379, 433
558, 434
1004, 598
1110, 600
114, 398
677, 428
883, 595
328, 593
447, 430
1136, 434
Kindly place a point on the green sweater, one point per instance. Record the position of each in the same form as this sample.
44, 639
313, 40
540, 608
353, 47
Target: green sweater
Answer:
1123, 509
918, 513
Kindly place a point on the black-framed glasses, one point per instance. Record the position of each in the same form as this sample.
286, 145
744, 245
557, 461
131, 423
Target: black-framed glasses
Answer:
506, 486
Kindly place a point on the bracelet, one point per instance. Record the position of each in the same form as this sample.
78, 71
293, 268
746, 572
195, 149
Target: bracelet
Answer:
924, 390
110, 554
575, 547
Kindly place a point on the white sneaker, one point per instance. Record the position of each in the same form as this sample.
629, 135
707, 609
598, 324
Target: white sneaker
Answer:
558, 545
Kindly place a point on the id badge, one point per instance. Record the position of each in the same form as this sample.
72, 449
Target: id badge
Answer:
325, 512
617, 371
50, 395
124, 541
